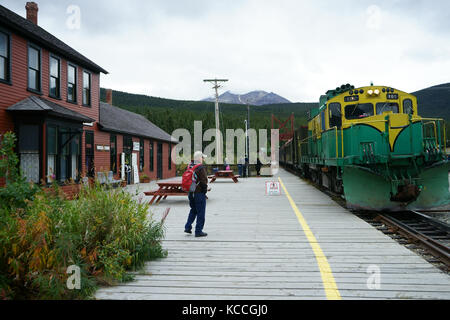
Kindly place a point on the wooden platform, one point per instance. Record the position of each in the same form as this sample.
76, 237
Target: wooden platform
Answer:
257, 249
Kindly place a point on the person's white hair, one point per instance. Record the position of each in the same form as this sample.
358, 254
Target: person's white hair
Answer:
199, 155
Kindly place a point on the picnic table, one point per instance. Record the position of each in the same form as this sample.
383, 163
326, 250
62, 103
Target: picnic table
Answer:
167, 188
224, 174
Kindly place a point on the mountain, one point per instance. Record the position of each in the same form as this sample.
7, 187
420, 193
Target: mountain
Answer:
254, 98
169, 114
434, 102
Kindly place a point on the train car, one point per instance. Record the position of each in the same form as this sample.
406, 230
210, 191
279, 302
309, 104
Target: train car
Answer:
371, 145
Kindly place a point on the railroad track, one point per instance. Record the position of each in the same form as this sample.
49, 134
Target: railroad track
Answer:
426, 232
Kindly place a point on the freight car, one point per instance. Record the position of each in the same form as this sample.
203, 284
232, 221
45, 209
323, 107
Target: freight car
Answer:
370, 145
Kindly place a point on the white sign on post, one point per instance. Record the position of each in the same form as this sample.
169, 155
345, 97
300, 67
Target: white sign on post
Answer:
135, 168
136, 146
273, 188
122, 169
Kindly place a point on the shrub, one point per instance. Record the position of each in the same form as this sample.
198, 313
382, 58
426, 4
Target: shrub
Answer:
17, 191
103, 232
106, 233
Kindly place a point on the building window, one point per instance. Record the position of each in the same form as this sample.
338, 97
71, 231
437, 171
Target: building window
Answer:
113, 153
55, 75
152, 155
69, 155
71, 83
86, 88
29, 152
63, 154
52, 153
127, 144
34, 69
89, 153
170, 156
4, 57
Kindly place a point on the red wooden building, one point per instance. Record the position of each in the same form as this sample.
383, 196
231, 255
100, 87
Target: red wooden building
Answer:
50, 97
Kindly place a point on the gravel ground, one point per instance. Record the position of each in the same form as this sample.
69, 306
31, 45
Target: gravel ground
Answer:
444, 216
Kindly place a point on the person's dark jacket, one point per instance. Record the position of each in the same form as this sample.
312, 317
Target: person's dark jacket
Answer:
202, 180
258, 164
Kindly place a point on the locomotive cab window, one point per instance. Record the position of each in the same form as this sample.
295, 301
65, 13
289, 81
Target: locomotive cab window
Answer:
358, 111
335, 115
383, 107
408, 106
322, 120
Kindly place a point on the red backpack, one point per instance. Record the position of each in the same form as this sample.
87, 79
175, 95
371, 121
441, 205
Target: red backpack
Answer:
188, 180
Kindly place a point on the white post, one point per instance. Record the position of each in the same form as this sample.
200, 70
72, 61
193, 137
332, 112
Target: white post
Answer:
218, 135
122, 173
218, 140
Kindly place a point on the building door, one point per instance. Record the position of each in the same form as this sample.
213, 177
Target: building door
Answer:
160, 161
89, 153
29, 155
128, 150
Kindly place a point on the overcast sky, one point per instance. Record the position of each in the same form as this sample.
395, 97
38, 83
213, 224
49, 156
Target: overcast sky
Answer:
298, 49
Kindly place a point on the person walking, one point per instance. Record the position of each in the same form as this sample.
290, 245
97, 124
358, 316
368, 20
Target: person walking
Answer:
241, 166
197, 199
247, 167
258, 167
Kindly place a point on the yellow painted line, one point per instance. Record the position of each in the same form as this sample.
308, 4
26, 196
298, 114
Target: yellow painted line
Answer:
329, 283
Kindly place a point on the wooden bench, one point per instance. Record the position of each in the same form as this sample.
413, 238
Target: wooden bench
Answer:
166, 189
224, 174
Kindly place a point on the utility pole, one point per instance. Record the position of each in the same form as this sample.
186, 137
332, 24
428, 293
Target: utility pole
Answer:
218, 141
248, 137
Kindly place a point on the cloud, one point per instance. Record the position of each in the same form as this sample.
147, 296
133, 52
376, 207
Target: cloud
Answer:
298, 49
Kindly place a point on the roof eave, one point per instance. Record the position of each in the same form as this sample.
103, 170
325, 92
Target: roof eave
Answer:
108, 129
49, 45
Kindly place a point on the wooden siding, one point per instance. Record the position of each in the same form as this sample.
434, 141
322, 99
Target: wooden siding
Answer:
17, 91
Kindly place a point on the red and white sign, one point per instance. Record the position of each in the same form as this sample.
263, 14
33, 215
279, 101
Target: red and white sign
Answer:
273, 188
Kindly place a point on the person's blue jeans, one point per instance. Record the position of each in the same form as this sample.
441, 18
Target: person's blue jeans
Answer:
197, 202
240, 169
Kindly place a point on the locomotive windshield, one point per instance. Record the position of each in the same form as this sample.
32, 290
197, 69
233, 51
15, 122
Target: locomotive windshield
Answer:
358, 111
387, 107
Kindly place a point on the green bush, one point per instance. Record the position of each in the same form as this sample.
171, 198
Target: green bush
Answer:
106, 233
103, 232
17, 191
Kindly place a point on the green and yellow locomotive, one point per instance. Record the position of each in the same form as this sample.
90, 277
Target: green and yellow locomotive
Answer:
371, 145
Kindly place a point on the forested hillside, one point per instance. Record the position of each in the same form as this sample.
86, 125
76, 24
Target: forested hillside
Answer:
173, 114
434, 101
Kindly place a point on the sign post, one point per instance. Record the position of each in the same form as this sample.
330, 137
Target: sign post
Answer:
273, 188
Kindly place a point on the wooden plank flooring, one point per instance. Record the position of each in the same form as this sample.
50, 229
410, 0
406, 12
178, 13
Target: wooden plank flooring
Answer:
257, 250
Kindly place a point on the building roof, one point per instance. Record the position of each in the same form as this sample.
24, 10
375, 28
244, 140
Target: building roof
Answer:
126, 122
40, 36
37, 104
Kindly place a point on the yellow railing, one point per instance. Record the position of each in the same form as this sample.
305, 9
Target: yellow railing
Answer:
435, 130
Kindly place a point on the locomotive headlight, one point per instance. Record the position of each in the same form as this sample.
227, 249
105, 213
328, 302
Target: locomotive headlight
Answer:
377, 92
370, 92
